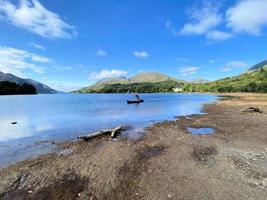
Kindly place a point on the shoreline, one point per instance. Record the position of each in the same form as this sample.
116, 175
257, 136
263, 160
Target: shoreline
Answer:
167, 163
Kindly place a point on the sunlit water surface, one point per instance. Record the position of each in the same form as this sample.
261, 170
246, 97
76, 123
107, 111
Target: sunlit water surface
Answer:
66, 116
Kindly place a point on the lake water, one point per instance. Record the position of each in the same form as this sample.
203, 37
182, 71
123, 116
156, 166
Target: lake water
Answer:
64, 117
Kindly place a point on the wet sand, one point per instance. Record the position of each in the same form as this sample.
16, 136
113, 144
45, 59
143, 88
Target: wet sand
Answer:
167, 163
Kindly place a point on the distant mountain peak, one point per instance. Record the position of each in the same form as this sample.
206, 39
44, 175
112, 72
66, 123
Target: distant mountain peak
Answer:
200, 80
153, 77
258, 66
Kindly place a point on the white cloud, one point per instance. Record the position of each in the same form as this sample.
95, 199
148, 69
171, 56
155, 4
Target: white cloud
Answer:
218, 35
37, 46
16, 61
101, 53
40, 59
203, 20
234, 65
189, 70
106, 74
141, 54
34, 17
249, 16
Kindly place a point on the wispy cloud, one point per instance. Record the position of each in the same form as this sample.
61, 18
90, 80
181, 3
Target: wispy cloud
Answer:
37, 46
203, 20
171, 28
218, 35
40, 59
101, 53
188, 70
141, 54
248, 16
106, 74
17, 61
234, 65
34, 17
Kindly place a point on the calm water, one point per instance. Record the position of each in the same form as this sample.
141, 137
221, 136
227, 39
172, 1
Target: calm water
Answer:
201, 131
57, 117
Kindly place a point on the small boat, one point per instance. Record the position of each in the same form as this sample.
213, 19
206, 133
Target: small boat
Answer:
135, 101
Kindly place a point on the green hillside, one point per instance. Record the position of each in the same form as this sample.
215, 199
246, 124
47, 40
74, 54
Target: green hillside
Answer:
146, 87
255, 81
142, 82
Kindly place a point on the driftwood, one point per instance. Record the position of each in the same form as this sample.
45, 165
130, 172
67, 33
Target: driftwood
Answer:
112, 133
252, 109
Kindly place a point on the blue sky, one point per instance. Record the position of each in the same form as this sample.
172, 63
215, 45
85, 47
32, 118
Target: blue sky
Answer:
74, 43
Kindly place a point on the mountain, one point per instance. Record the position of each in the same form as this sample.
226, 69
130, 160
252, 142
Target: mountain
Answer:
200, 80
40, 88
254, 81
258, 66
151, 77
140, 79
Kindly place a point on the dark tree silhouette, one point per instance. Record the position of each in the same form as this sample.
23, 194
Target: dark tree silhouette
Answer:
10, 88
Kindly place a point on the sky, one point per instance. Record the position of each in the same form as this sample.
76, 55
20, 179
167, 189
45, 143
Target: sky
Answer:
72, 44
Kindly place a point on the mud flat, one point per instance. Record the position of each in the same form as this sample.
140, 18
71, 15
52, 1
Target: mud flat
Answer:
167, 163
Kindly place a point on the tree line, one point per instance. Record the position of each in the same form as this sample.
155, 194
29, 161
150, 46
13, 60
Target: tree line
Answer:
11, 88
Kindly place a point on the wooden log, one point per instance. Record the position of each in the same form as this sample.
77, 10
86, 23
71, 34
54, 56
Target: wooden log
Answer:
115, 130
251, 109
107, 131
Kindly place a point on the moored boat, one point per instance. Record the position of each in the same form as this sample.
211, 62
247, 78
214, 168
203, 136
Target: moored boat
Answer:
135, 101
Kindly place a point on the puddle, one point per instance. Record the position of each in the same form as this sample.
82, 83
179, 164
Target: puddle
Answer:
201, 131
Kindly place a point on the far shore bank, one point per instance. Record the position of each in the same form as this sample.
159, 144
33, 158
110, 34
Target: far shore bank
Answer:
167, 163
